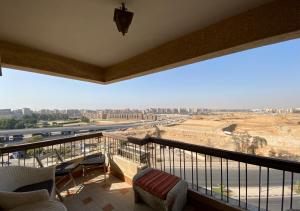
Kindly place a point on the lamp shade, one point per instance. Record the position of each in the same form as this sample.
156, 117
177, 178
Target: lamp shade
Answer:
123, 19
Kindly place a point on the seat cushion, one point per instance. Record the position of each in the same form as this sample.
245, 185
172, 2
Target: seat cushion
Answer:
157, 182
95, 159
48, 185
43, 205
65, 168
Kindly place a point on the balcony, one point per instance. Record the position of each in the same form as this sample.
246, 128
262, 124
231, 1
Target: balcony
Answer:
218, 179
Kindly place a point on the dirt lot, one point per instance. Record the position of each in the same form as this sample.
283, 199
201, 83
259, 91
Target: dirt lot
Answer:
281, 131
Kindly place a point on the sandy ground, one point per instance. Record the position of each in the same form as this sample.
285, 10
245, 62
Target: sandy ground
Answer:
282, 132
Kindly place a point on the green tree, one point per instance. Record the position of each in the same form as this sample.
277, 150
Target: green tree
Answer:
19, 125
7, 123
85, 119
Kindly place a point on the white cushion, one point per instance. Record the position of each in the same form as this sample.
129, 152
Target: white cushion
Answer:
10, 200
43, 205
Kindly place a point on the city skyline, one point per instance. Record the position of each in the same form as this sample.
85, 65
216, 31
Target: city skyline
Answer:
150, 108
265, 77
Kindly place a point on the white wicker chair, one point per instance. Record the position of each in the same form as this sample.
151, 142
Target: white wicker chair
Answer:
13, 177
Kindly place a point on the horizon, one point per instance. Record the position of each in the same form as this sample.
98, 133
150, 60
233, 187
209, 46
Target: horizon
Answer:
264, 77
102, 109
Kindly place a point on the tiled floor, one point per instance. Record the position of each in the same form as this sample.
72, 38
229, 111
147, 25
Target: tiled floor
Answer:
96, 195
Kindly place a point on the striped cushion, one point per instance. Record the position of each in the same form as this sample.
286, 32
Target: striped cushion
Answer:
157, 182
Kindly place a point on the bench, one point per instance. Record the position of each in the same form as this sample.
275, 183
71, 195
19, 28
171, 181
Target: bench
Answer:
160, 190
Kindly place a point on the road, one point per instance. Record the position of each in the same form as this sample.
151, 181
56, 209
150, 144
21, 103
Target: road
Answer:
73, 128
85, 128
275, 178
275, 184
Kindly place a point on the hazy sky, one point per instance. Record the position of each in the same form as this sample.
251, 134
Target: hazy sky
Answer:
263, 77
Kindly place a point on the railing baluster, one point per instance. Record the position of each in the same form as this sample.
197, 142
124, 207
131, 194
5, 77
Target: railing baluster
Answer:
140, 148
239, 176
34, 155
173, 149
155, 160
47, 150
134, 153
84, 148
51, 156
24, 155
180, 163
8, 164
283, 184
164, 158
259, 186
60, 149
64, 151
205, 167
192, 170
169, 160
221, 179
184, 164
197, 171
268, 182
227, 182
246, 178
72, 149
292, 187
152, 163
211, 177
19, 159
160, 157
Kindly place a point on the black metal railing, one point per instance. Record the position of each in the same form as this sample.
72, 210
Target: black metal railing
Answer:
246, 181
242, 180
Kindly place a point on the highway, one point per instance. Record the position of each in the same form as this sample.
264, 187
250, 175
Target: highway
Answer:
73, 128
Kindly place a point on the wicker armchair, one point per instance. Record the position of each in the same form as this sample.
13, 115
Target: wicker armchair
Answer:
26, 188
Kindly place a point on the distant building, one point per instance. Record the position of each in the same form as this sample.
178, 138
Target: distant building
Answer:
18, 113
94, 114
74, 114
27, 111
151, 117
6, 114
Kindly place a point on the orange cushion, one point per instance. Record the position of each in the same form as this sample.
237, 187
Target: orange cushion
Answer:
157, 182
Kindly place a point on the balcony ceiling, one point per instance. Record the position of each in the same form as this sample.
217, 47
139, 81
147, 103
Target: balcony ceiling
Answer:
78, 39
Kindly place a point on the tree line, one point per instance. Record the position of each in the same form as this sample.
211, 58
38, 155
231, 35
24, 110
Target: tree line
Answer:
29, 121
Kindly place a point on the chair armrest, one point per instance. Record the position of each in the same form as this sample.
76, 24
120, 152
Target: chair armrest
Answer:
13, 177
10, 200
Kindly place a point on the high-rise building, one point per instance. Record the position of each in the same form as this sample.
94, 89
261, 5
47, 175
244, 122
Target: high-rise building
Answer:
6, 114
27, 111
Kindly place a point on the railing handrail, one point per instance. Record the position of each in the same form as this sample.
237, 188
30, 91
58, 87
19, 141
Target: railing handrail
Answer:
275, 163
39, 144
130, 139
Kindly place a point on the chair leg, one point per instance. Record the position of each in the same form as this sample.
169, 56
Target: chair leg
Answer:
104, 169
72, 178
83, 174
58, 194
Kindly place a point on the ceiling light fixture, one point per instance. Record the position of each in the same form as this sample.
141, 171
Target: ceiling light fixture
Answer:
123, 18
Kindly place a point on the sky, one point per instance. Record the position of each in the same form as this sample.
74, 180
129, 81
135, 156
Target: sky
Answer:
263, 77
